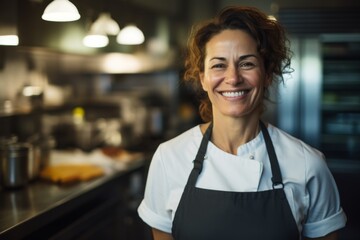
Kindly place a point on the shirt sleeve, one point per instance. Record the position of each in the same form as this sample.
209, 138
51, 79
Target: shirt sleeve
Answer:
152, 209
324, 214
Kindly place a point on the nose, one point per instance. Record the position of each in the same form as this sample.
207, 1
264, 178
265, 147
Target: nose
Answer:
233, 76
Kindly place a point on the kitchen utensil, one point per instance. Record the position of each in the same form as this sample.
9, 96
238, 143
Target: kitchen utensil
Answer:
15, 164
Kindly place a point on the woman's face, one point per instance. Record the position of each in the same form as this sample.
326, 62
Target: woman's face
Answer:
234, 75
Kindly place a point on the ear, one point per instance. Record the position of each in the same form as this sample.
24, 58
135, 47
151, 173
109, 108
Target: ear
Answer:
202, 81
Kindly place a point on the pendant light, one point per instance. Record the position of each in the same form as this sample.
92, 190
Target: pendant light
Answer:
9, 40
103, 26
8, 23
96, 37
130, 35
61, 11
107, 24
95, 40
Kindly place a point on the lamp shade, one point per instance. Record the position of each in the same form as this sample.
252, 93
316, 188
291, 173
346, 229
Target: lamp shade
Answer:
8, 23
106, 24
95, 40
97, 35
61, 11
9, 40
130, 35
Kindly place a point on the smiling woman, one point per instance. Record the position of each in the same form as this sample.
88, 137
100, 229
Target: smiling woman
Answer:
272, 49
240, 185
234, 76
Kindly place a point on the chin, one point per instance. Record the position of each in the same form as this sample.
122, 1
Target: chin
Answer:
243, 113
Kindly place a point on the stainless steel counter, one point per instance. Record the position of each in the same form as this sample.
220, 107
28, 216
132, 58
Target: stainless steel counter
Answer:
31, 209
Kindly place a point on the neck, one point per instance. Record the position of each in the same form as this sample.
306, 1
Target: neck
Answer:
229, 134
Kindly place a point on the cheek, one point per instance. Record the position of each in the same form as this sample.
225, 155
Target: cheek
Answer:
258, 80
203, 82
211, 80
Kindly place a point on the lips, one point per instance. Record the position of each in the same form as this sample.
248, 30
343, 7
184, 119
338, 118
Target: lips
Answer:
233, 94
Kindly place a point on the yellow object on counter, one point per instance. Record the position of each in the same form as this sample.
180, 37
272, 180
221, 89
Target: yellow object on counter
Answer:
66, 173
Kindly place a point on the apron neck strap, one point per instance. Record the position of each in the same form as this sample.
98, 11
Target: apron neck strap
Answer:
199, 159
200, 156
275, 168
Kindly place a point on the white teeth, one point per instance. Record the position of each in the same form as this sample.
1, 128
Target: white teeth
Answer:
233, 94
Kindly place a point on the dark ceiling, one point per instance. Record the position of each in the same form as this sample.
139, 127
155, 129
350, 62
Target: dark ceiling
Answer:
299, 16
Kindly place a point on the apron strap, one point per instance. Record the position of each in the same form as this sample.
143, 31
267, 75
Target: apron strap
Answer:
275, 168
199, 159
198, 162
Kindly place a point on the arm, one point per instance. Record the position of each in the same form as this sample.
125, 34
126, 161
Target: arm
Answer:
331, 236
324, 215
160, 235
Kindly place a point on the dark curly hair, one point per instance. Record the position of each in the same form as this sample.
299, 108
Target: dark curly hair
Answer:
270, 36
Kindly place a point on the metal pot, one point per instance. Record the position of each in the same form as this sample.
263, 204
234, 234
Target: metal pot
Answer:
16, 160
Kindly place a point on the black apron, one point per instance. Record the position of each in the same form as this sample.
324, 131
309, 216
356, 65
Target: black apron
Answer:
205, 214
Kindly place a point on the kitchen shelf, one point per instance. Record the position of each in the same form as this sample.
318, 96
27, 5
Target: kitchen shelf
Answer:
340, 106
341, 82
7, 112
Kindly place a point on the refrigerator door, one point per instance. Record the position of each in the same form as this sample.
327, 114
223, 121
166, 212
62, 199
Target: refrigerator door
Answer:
300, 98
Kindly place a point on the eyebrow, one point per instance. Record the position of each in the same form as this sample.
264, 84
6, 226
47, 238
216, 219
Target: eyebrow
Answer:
247, 56
240, 58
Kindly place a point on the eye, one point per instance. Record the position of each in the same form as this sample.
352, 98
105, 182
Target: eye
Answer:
247, 65
218, 65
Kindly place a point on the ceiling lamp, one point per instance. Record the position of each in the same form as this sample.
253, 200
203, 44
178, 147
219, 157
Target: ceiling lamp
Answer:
95, 40
103, 26
130, 35
61, 11
9, 40
8, 23
106, 24
272, 18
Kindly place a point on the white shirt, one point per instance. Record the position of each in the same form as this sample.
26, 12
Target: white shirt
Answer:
309, 186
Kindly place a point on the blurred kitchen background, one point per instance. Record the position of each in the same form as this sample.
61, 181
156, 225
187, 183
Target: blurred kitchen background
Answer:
58, 91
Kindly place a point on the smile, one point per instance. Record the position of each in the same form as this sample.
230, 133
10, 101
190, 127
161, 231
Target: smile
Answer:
234, 94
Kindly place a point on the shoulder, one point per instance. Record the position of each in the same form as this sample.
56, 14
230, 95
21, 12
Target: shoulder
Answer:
297, 159
183, 138
186, 141
179, 152
293, 145
300, 162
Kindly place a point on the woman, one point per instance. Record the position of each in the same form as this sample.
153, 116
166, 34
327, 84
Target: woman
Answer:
235, 177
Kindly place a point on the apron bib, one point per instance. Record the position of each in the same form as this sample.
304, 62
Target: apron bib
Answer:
205, 214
